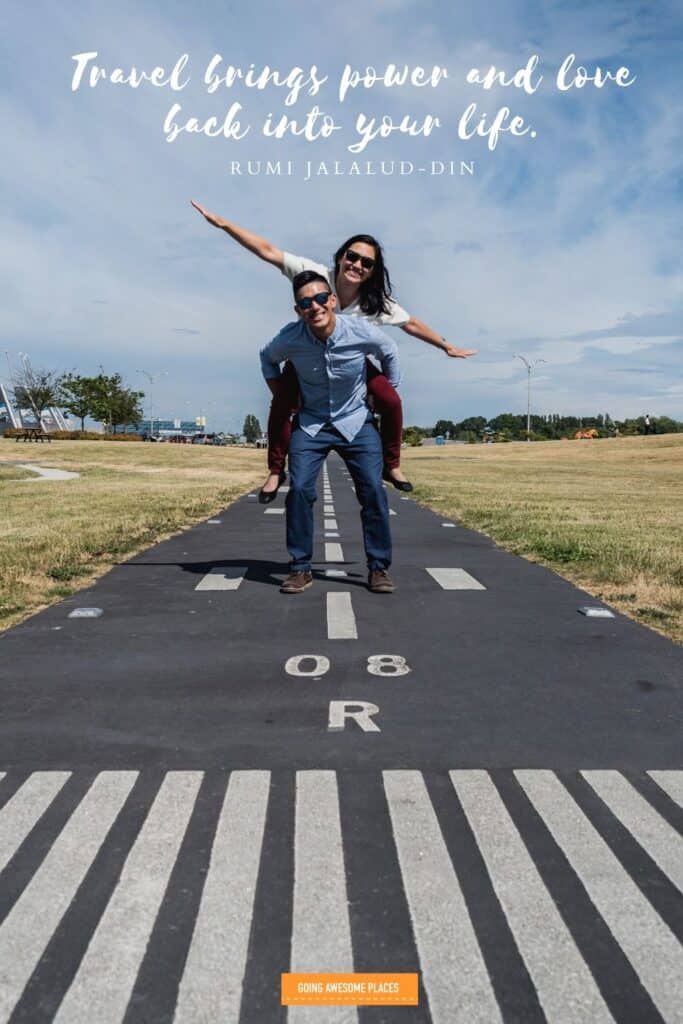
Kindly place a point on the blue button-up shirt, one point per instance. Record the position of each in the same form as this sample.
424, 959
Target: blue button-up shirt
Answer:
332, 373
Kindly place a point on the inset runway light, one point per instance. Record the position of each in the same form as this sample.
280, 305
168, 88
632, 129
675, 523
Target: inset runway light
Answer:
85, 613
594, 611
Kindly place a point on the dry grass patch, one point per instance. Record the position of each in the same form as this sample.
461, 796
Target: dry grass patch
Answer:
15, 473
607, 515
57, 536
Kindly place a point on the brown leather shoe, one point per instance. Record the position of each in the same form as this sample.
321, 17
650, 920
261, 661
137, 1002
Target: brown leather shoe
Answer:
296, 583
379, 582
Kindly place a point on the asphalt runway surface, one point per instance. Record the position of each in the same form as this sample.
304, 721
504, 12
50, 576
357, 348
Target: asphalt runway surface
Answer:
205, 783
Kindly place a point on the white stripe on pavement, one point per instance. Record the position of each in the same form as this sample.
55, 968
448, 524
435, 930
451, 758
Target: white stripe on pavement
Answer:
647, 942
211, 986
334, 553
648, 828
23, 810
671, 783
222, 579
331, 524
328, 510
341, 622
274, 512
391, 512
321, 933
455, 579
331, 534
27, 929
453, 969
103, 983
335, 572
565, 986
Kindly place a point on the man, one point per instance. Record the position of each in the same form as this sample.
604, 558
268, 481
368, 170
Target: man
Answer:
328, 353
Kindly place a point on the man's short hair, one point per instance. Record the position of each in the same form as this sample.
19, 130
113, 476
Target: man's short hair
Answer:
305, 277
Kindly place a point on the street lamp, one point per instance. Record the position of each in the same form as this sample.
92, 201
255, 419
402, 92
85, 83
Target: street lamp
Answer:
151, 377
529, 368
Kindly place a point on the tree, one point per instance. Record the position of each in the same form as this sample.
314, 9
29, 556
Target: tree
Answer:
444, 427
251, 428
113, 404
77, 395
35, 389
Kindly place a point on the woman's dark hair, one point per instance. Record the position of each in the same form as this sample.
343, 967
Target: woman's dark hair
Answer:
376, 291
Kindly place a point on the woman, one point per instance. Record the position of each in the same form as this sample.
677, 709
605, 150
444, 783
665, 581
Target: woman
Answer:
363, 287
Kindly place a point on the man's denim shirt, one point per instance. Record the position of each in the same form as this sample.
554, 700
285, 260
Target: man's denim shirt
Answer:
332, 373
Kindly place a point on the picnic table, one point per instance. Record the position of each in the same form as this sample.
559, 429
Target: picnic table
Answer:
33, 434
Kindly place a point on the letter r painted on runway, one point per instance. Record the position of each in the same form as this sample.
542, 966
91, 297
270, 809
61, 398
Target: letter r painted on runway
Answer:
360, 711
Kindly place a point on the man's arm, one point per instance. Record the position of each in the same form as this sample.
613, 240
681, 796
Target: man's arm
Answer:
261, 247
271, 355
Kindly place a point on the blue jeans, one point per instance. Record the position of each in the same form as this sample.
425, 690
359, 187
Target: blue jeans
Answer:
365, 461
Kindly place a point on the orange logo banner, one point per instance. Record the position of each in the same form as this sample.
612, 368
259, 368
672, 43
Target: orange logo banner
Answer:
349, 989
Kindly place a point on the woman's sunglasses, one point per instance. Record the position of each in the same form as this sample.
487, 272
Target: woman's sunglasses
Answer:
322, 298
355, 257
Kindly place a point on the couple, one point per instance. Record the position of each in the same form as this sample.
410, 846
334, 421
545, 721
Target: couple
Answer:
327, 364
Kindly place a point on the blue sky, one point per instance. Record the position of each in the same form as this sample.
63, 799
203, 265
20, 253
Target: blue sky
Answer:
566, 247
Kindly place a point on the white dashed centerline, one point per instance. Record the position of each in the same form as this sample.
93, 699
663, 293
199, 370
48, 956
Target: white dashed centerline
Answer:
341, 622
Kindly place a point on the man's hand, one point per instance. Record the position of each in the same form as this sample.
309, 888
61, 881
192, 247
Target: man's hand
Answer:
459, 353
211, 217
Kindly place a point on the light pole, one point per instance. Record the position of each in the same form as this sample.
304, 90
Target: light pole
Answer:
529, 368
151, 377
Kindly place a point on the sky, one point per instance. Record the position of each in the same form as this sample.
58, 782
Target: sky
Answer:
565, 247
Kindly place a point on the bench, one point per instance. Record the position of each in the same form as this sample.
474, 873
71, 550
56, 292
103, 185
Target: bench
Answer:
33, 434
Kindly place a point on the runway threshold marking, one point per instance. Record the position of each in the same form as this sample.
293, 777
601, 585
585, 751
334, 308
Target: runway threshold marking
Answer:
103, 983
453, 969
659, 840
341, 621
542, 936
27, 929
643, 936
455, 579
447, 939
671, 783
321, 930
215, 965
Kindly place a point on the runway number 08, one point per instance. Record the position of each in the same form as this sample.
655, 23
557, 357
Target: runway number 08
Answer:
314, 666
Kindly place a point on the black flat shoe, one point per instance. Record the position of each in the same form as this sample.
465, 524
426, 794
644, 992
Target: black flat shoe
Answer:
400, 485
265, 497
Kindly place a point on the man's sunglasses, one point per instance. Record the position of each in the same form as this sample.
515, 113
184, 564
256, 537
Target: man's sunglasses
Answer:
322, 298
355, 257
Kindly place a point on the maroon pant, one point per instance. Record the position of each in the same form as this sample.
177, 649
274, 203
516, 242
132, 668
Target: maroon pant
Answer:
286, 400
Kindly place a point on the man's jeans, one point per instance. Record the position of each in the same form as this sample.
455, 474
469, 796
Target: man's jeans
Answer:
363, 456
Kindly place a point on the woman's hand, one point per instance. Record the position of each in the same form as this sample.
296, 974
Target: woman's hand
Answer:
207, 215
261, 247
459, 353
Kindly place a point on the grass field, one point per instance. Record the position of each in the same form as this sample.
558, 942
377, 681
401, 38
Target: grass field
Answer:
605, 514
56, 536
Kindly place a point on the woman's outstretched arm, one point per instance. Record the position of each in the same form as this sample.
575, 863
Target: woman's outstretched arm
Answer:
419, 329
261, 247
